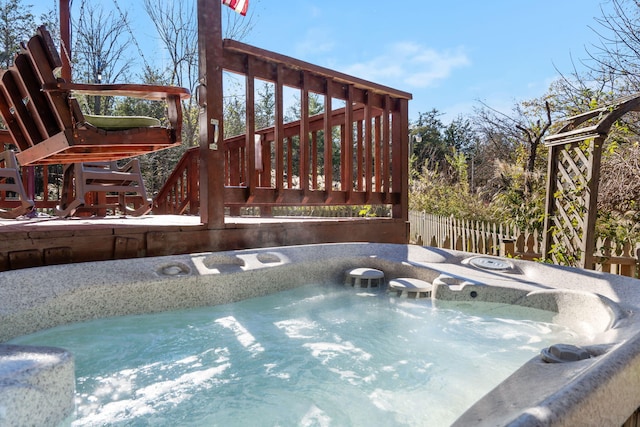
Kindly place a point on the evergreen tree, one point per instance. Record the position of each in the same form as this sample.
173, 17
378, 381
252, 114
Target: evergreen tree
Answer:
17, 24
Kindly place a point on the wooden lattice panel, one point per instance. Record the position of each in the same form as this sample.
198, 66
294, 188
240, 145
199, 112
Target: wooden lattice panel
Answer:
570, 208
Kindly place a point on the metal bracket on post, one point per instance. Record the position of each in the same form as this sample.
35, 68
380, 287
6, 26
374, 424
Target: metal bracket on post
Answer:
216, 127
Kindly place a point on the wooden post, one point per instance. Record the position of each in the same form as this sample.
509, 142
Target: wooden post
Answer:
250, 120
279, 130
328, 140
65, 39
347, 146
591, 203
211, 124
507, 247
549, 210
400, 159
303, 157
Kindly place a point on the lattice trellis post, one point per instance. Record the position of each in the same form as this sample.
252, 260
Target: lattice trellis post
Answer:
575, 154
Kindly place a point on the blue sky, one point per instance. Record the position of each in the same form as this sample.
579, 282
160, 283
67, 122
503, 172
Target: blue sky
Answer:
449, 54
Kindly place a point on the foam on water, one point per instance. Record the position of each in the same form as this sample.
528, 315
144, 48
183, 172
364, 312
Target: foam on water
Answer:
312, 356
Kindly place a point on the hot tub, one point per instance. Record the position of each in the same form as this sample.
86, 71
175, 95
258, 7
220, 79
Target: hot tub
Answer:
590, 382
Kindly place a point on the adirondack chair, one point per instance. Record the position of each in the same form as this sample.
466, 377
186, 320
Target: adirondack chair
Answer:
47, 126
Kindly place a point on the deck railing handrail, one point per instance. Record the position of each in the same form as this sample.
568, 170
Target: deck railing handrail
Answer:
234, 46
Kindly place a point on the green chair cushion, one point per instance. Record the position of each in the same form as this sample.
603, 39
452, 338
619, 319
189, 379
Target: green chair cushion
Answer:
121, 122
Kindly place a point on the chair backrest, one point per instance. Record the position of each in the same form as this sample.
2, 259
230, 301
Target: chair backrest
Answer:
30, 114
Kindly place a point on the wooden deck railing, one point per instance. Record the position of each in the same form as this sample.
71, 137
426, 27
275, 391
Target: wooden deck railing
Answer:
180, 195
351, 155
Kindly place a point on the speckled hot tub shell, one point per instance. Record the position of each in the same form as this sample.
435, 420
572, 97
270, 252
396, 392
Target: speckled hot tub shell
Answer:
36, 384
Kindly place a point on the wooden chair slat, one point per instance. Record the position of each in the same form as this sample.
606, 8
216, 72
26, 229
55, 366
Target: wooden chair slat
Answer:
46, 74
36, 101
49, 48
17, 136
18, 111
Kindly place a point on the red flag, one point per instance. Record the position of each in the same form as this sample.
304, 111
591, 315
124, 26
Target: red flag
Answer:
239, 6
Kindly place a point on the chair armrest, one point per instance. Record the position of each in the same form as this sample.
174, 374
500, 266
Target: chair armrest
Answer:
171, 94
149, 92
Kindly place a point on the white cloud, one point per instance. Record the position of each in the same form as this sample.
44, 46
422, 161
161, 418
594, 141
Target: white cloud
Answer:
410, 64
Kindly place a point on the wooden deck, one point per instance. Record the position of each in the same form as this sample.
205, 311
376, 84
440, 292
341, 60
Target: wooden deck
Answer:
52, 240
355, 152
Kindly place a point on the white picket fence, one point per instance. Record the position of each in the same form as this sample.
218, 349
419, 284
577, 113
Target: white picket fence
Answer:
502, 240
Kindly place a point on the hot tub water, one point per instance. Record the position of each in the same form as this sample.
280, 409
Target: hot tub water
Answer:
315, 355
